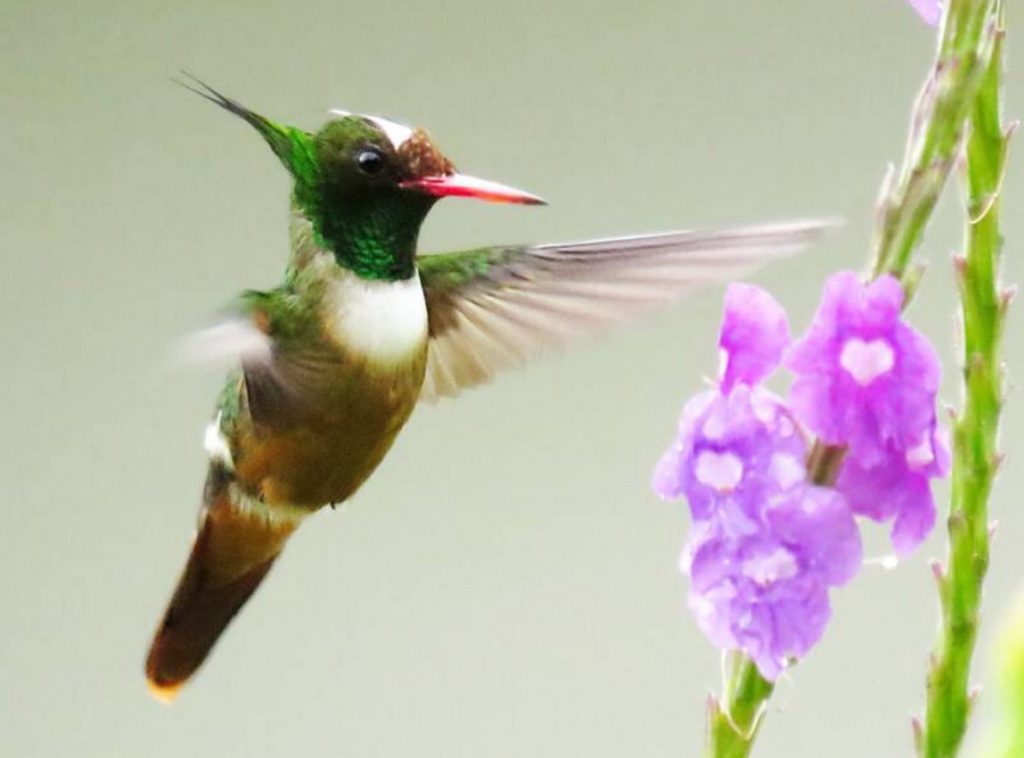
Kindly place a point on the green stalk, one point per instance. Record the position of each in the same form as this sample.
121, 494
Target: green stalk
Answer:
966, 44
975, 455
732, 725
908, 198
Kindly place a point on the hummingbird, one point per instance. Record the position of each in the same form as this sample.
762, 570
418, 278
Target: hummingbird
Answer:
329, 365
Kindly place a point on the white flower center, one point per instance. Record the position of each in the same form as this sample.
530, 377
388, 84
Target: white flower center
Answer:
722, 471
866, 361
787, 470
765, 569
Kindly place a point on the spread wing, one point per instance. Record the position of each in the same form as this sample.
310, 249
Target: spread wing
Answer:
492, 308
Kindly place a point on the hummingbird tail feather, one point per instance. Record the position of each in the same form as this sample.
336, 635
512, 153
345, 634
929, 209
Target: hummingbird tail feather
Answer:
238, 539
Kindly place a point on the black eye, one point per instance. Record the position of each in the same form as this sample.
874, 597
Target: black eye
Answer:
370, 161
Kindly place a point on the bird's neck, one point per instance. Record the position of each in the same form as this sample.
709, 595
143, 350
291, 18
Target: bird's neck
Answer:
380, 322
373, 237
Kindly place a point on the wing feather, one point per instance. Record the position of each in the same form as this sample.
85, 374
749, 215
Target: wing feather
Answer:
493, 308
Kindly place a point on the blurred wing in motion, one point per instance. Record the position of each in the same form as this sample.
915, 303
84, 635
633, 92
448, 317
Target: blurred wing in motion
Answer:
493, 308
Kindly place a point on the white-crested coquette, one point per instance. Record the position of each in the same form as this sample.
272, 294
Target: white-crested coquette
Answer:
330, 364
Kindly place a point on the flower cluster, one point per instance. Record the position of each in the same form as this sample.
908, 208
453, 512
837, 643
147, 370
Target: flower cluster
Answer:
767, 544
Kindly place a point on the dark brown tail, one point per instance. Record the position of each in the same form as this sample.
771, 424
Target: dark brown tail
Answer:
235, 546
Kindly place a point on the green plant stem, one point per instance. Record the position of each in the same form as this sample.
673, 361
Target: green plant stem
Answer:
975, 455
909, 196
966, 45
733, 724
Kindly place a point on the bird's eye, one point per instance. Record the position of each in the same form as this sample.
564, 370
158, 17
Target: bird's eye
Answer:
370, 161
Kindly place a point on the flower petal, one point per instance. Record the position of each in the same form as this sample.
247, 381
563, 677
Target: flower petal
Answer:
863, 377
766, 591
913, 524
754, 335
929, 10
667, 481
820, 526
892, 490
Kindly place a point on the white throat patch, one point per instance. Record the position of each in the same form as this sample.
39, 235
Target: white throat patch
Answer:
383, 321
397, 133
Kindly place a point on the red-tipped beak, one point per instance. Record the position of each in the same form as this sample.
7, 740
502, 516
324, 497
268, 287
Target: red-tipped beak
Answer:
460, 185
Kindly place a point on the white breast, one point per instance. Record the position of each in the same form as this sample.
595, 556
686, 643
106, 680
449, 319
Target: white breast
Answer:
383, 321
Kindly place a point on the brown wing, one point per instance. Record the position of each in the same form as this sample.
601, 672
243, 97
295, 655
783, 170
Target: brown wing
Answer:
493, 308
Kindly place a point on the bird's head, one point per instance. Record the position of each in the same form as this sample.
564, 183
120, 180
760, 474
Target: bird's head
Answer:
368, 153
366, 183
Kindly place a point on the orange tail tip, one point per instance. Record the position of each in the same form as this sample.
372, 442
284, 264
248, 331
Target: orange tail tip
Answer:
166, 694
237, 543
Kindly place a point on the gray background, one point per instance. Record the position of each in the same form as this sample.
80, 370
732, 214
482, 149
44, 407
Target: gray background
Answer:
506, 584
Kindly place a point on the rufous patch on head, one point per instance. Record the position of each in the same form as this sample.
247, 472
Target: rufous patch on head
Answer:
421, 158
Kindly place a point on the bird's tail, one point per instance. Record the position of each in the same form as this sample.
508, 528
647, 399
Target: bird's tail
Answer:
237, 541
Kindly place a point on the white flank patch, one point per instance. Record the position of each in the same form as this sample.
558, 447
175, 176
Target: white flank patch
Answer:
216, 444
276, 514
383, 321
397, 133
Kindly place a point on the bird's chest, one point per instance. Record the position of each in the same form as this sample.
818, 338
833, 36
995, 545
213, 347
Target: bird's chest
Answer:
379, 323
351, 397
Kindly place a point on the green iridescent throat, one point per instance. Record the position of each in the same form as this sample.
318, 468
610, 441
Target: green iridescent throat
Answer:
374, 235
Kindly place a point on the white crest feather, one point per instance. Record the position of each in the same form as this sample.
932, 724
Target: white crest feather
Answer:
397, 133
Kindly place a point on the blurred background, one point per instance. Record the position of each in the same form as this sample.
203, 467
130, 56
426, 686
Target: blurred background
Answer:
506, 584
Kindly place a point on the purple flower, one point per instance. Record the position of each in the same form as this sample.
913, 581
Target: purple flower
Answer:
765, 546
734, 452
929, 10
754, 336
766, 593
864, 378
898, 488
737, 445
